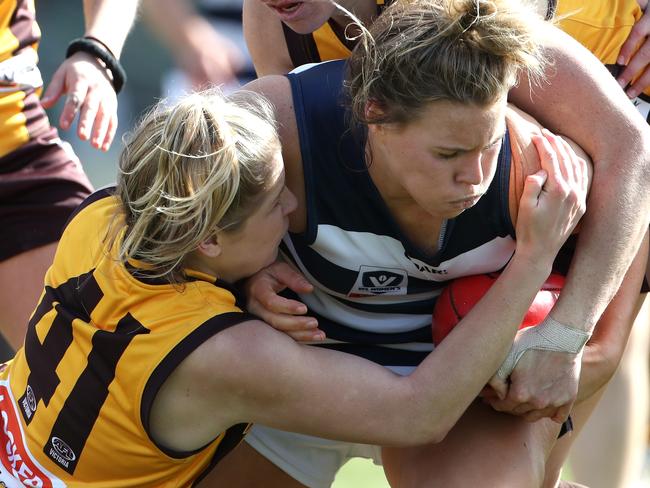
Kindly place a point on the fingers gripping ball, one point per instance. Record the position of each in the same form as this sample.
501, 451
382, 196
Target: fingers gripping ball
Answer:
459, 296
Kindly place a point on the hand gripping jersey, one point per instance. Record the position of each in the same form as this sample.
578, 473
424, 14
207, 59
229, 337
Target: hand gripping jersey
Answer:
374, 291
75, 401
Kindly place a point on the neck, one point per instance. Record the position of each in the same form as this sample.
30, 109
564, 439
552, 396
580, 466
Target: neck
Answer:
393, 194
198, 262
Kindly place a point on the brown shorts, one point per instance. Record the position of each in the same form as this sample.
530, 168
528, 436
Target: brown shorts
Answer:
41, 183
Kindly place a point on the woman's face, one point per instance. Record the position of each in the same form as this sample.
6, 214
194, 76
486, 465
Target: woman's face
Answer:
444, 160
254, 245
303, 17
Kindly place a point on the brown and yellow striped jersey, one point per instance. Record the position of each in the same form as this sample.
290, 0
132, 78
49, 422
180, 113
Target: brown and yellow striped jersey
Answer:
21, 116
75, 401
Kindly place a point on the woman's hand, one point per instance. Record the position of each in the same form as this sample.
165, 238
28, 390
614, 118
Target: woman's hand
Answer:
286, 315
635, 56
89, 94
553, 201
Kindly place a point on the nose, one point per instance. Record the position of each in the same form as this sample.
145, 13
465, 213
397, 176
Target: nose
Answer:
289, 201
470, 170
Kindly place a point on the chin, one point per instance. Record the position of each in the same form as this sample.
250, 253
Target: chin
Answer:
272, 259
304, 27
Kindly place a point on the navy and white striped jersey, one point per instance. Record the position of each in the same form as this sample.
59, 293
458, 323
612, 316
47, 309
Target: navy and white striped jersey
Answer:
374, 291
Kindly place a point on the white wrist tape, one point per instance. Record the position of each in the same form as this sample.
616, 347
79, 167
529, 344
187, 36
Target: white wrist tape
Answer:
550, 335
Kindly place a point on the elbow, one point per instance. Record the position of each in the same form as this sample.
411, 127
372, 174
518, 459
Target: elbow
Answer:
434, 436
421, 433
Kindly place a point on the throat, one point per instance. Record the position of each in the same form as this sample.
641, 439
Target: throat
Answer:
423, 231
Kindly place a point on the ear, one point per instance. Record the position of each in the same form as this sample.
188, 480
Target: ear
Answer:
210, 247
373, 111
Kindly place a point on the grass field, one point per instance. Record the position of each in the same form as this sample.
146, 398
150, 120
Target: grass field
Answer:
360, 473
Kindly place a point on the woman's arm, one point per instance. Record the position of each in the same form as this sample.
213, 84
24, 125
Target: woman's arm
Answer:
604, 351
110, 21
582, 100
251, 372
199, 50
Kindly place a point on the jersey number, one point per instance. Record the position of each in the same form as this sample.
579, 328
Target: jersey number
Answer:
81, 409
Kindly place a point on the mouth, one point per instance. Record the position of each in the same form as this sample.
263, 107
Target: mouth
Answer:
285, 9
467, 202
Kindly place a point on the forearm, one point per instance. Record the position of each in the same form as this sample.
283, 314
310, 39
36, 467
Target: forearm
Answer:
110, 21
421, 408
603, 353
172, 21
477, 345
584, 102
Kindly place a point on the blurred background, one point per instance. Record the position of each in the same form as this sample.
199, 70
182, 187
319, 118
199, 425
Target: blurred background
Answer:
144, 59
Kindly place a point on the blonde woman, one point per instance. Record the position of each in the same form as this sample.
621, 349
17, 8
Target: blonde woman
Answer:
410, 194
140, 369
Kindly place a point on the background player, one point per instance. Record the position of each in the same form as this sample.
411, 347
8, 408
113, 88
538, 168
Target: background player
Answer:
41, 180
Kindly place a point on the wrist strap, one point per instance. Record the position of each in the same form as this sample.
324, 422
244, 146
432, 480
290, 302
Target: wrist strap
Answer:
93, 38
98, 49
550, 335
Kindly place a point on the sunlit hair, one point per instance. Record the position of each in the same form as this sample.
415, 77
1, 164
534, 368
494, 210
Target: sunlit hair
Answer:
419, 51
190, 170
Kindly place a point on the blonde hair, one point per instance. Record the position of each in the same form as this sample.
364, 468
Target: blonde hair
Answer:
420, 51
190, 170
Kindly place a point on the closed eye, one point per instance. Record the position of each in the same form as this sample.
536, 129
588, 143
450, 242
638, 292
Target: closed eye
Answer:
447, 155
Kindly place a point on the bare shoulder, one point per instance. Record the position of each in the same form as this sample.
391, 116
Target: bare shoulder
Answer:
198, 400
277, 90
524, 160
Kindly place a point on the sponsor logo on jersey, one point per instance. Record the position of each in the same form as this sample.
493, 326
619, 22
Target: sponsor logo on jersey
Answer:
61, 452
379, 281
20, 466
28, 404
31, 399
427, 268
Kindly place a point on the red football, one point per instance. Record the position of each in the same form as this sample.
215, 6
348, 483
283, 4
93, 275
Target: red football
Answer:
459, 296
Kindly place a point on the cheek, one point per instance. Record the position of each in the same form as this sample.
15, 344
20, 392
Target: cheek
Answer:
490, 167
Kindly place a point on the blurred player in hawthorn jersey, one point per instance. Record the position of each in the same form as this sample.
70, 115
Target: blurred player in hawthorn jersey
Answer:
41, 179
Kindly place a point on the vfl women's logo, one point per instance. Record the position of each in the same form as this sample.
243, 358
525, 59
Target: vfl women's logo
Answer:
379, 281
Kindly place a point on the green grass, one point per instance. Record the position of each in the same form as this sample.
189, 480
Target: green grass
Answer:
360, 473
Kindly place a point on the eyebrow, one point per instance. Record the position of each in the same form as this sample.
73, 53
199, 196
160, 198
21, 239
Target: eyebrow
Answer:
462, 149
